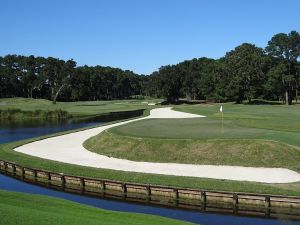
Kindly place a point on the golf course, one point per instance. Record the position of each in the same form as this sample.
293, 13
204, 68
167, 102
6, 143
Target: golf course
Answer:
150, 112
262, 136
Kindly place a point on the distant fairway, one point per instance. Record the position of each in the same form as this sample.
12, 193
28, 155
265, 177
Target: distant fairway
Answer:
262, 136
75, 108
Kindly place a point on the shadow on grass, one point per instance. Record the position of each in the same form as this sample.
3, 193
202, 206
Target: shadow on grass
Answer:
262, 102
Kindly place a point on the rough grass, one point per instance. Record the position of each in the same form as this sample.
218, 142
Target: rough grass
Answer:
13, 114
26, 209
257, 153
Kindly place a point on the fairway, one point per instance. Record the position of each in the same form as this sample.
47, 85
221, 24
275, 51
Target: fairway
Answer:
86, 108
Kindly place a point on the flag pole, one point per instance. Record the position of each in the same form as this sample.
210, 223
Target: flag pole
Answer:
222, 122
222, 119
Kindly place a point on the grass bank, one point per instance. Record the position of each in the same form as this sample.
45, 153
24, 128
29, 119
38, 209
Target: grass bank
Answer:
17, 114
26, 209
257, 153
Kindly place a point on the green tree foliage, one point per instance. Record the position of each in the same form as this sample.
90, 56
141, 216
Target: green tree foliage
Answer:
53, 78
243, 68
247, 72
286, 47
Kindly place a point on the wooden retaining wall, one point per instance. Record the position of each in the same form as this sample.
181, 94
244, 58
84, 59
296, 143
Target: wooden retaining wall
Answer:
197, 195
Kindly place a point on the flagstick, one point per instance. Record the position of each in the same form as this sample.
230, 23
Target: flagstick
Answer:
222, 126
222, 123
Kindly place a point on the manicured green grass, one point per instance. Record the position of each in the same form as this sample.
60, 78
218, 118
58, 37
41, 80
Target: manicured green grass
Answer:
25, 209
75, 108
272, 117
198, 128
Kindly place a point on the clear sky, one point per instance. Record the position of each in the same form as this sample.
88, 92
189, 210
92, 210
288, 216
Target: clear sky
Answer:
140, 35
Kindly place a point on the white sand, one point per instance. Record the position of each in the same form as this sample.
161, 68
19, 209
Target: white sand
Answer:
68, 149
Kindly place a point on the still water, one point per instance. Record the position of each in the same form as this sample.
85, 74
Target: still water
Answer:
13, 131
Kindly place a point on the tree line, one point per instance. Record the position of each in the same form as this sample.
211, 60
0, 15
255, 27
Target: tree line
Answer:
245, 73
52, 78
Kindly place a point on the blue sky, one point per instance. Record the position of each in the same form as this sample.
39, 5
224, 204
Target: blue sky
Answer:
140, 35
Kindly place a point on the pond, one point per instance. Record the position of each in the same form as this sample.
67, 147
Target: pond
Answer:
13, 131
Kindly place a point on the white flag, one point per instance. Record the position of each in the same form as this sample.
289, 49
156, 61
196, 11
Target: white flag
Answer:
221, 108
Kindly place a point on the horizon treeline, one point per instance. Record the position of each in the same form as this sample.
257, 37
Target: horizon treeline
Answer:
245, 73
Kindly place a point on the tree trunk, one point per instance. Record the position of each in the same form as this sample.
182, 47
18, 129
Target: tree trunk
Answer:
296, 90
57, 93
286, 96
188, 96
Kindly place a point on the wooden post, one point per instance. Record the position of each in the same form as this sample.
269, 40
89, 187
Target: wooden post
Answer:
124, 188
63, 180
203, 197
5, 166
82, 182
14, 169
235, 199
48, 176
148, 190
176, 193
34, 174
103, 185
22, 171
267, 201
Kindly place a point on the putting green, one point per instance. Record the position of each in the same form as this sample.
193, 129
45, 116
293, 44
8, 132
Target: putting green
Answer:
199, 128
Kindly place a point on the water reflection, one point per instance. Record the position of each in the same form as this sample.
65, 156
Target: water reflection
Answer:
14, 130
